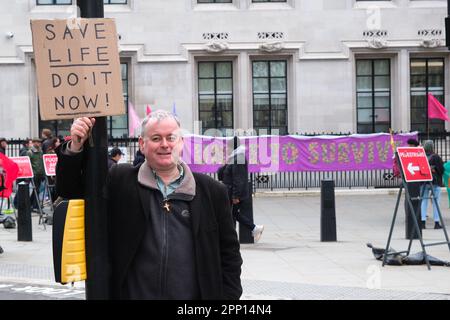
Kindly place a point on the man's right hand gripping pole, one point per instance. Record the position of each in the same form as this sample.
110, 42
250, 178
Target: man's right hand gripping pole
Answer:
80, 131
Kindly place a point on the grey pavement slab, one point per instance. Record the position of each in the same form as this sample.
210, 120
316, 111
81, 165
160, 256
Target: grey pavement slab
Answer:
289, 262
26, 291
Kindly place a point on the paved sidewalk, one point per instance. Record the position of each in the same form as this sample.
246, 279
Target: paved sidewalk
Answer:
289, 262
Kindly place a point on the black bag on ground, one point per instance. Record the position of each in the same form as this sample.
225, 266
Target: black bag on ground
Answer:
393, 259
397, 259
9, 223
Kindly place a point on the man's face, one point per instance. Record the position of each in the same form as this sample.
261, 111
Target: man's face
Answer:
4, 144
37, 144
162, 143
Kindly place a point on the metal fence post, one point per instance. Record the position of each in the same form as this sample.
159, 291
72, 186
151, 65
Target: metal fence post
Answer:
328, 211
24, 226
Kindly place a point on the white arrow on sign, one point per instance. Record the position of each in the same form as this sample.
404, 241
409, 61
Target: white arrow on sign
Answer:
412, 169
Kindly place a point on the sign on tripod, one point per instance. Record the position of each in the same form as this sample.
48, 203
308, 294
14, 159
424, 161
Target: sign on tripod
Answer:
25, 169
415, 168
50, 161
414, 163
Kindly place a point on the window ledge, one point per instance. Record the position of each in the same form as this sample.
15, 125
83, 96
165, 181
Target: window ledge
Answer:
69, 9
117, 8
374, 4
428, 4
271, 6
215, 7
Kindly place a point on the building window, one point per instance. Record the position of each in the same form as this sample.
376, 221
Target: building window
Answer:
214, 1
270, 96
427, 76
115, 1
60, 128
53, 2
117, 125
373, 95
215, 95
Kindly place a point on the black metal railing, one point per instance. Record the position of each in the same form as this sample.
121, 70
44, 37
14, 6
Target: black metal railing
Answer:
299, 180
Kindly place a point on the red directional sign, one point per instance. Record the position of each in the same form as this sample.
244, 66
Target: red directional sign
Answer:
50, 161
414, 164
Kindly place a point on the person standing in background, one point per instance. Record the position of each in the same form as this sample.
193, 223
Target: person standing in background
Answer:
138, 158
446, 178
55, 142
37, 163
3, 145
437, 170
25, 147
47, 139
114, 157
234, 174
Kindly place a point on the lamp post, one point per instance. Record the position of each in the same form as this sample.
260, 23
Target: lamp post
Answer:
95, 205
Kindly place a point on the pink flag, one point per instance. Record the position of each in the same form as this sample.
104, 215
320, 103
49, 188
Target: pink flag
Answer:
174, 109
133, 120
435, 109
149, 110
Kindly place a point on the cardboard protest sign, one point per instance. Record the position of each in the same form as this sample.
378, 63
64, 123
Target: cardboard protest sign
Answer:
78, 68
25, 169
50, 161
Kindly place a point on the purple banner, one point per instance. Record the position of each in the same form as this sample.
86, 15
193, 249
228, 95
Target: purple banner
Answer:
297, 153
206, 154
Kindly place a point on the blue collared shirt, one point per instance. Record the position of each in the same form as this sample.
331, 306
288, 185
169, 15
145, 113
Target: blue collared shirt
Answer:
172, 186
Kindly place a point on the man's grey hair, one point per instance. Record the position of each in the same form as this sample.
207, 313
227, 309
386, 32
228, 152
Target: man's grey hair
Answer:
158, 115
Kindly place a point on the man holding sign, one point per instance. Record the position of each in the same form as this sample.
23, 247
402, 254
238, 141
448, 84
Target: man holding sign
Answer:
78, 74
171, 235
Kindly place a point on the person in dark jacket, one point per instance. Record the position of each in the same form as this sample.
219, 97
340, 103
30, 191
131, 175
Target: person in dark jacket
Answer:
47, 139
437, 169
55, 142
27, 144
3, 145
37, 164
234, 174
114, 157
170, 235
138, 158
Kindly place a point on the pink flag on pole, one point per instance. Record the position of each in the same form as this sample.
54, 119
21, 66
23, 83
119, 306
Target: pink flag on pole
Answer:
149, 110
133, 120
174, 109
435, 109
